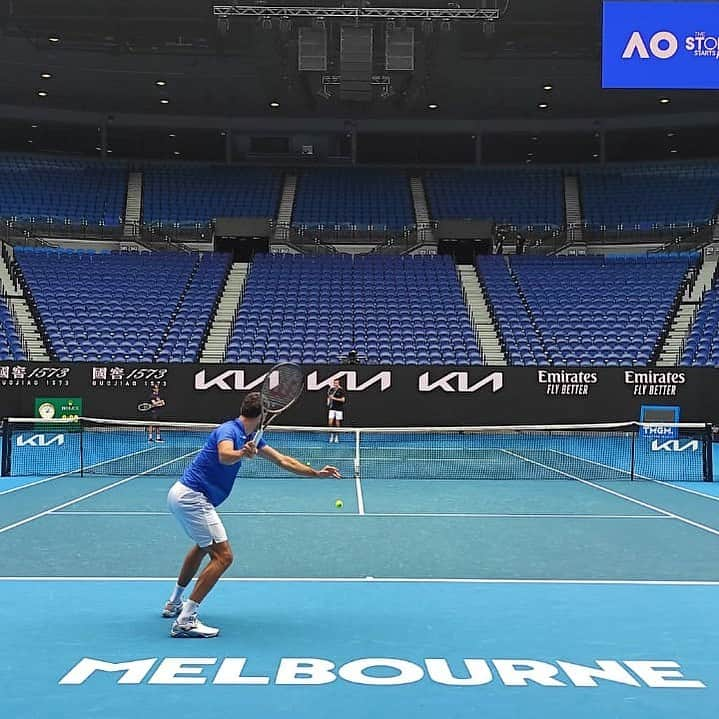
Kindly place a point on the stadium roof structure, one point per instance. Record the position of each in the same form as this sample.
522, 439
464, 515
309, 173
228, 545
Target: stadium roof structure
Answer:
179, 64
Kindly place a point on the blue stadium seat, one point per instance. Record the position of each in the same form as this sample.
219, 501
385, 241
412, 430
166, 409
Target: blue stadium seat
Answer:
125, 306
188, 195
603, 311
367, 309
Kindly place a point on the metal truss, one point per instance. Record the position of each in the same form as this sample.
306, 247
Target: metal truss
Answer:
365, 13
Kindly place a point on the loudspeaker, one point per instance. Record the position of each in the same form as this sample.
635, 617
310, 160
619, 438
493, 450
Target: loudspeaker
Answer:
356, 50
356, 63
312, 49
399, 49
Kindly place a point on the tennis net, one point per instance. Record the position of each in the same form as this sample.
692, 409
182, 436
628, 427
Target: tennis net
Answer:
598, 452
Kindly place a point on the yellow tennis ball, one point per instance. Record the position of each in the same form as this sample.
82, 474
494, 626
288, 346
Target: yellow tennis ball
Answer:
339, 504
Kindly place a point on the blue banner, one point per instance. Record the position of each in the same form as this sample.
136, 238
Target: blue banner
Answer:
661, 45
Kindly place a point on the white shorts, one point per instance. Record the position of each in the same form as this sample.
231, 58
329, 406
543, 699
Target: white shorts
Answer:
196, 515
336, 414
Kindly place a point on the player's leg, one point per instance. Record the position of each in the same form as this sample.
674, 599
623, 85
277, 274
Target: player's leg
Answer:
338, 423
203, 525
149, 432
220, 560
155, 417
189, 568
188, 625
331, 422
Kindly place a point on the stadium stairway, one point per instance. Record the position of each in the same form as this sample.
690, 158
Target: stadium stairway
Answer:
573, 209
671, 351
421, 212
480, 316
133, 205
25, 324
287, 204
222, 323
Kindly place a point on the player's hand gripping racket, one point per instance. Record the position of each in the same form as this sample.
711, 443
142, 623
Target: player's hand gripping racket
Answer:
330, 396
281, 388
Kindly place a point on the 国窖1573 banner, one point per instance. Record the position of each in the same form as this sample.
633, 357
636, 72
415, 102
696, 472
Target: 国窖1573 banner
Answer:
661, 45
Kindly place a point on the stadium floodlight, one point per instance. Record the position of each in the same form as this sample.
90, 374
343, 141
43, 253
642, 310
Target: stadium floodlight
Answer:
359, 13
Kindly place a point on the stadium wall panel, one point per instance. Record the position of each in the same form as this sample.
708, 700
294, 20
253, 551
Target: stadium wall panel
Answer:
377, 396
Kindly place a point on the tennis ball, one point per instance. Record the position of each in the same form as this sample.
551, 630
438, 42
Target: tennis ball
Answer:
339, 504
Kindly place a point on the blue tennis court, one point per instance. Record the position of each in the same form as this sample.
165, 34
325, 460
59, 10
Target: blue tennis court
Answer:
589, 595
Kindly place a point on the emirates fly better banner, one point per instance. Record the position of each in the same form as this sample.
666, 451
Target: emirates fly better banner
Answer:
661, 45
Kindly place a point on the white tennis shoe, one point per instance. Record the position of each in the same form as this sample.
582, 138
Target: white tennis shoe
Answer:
193, 628
172, 609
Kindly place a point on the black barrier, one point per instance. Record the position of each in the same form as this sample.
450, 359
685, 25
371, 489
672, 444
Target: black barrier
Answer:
376, 396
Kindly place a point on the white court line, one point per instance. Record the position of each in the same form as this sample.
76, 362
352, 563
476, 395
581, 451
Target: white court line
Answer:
686, 489
75, 471
392, 580
462, 515
646, 505
360, 498
91, 494
601, 464
673, 485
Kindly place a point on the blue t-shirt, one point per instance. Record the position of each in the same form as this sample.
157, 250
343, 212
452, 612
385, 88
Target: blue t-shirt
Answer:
206, 474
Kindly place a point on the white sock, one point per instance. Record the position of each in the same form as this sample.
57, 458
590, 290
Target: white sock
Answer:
188, 609
176, 595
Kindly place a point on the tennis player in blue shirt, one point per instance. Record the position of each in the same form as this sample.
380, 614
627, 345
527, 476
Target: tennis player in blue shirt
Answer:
206, 483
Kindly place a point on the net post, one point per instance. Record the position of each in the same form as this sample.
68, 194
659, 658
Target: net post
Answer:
708, 453
633, 453
357, 454
6, 469
82, 453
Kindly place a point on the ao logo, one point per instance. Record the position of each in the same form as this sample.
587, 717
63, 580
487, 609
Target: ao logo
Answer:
662, 45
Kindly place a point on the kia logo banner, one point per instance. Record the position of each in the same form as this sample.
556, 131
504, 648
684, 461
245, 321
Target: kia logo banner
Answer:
661, 45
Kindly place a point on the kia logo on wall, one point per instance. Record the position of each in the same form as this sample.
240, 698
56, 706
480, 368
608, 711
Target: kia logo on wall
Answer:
460, 382
233, 380
239, 380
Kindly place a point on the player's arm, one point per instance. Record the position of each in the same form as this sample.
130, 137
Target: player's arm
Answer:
295, 466
227, 453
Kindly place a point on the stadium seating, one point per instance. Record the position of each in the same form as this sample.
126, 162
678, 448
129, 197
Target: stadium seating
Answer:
187, 195
701, 347
391, 310
190, 322
519, 336
353, 199
645, 197
523, 198
600, 311
42, 189
10, 346
122, 306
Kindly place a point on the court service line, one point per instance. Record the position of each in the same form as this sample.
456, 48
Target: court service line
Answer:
600, 464
75, 471
461, 515
91, 494
391, 580
646, 505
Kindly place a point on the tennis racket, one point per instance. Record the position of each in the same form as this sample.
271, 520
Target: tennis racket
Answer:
277, 396
147, 406
330, 396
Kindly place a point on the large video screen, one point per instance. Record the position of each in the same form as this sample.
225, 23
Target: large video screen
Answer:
661, 45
